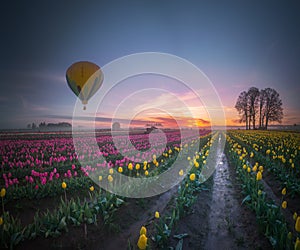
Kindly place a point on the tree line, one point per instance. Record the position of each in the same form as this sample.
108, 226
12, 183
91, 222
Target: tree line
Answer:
49, 125
259, 107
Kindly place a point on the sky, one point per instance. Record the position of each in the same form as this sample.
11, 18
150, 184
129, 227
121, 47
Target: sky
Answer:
236, 44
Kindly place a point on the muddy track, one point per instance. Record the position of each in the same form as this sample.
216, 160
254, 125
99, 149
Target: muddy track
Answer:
219, 221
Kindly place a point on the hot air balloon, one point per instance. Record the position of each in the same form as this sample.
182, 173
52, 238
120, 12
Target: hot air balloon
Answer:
84, 79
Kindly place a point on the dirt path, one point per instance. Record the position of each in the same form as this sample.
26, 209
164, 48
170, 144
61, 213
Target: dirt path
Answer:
231, 225
225, 229
219, 220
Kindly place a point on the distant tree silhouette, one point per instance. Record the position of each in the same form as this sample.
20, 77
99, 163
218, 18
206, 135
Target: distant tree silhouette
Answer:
273, 111
253, 95
58, 125
45, 126
42, 125
242, 108
262, 103
265, 103
33, 126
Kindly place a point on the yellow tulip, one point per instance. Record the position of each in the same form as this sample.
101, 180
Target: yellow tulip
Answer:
284, 204
100, 178
192, 177
142, 242
92, 188
146, 173
3, 192
283, 191
181, 172
196, 164
143, 230
64, 185
248, 169
244, 166
261, 168
137, 166
130, 166
297, 244
259, 192
110, 178
120, 169
258, 176
111, 171
156, 215
297, 224
254, 169
295, 216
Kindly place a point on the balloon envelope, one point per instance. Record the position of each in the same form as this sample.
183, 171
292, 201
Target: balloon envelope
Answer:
84, 79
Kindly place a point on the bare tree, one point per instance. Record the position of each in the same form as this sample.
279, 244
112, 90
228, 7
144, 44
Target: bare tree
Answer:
262, 104
242, 108
253, 98
265, 103
273, 107
33, 126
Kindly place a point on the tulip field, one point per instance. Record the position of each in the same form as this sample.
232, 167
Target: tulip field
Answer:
49, 199
45, 166
267, 164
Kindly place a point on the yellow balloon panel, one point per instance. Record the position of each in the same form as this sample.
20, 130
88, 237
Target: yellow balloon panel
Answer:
84, 78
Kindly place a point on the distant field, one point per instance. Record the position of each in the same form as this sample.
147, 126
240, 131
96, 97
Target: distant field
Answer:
48, 193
